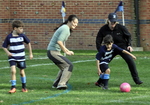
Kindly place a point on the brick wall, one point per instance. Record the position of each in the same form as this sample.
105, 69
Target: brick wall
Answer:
42, 16
5, 14
145, 24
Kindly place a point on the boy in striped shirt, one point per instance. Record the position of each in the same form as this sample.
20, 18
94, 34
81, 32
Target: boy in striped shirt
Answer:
104, 57
16, 54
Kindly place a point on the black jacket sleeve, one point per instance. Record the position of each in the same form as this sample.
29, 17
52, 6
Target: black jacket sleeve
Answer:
127, 35
99, 39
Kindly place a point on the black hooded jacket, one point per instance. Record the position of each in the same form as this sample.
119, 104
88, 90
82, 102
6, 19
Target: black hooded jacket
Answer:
120, 35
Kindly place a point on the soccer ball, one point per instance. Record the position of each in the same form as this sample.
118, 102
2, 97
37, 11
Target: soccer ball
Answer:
125, 87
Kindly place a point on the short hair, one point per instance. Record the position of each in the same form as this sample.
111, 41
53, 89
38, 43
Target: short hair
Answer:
17, 23
108, 39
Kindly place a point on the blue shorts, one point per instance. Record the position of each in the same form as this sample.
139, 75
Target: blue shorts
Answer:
103, 67
19, 64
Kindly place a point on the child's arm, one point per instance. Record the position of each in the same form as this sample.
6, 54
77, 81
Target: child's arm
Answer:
98, 67
30, 51
126, 52
7, 52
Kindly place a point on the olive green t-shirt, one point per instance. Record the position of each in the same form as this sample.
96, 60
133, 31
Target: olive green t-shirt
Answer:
61, 34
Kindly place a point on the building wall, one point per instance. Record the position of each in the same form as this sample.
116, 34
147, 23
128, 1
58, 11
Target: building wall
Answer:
145, 24
42, 16
5, 14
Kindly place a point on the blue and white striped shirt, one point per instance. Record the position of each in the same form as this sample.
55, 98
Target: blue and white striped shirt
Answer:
105, 56
16, 46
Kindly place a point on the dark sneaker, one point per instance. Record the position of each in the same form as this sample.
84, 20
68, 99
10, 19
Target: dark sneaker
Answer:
99, 85
105, 87
139, 82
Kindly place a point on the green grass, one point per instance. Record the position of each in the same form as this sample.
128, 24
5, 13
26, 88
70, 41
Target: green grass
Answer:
41, 72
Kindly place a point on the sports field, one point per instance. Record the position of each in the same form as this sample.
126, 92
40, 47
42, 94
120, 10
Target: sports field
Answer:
81, 90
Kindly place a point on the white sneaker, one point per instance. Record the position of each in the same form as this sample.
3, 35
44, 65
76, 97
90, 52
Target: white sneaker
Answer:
62, 87
54, 87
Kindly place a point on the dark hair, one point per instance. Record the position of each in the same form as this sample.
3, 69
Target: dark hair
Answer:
17, 23
70, 18
108, 39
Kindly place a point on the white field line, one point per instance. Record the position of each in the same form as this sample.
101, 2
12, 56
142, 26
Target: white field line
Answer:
27, 59
52, 63
130, 98
80, 61
3, 60
118, 57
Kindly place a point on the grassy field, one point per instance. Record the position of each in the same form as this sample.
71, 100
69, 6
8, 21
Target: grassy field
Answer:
81, 90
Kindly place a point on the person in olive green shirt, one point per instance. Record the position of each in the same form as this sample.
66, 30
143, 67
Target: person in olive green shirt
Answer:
54, 48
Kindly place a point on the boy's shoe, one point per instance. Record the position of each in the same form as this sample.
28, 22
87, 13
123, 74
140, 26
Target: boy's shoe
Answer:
13, 90
24, 90
63, 87
99, 85
105, 88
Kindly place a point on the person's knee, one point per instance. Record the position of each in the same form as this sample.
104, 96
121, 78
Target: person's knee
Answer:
13, 72
70, 67
107, 71
22, 73
128, 59
13, 69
